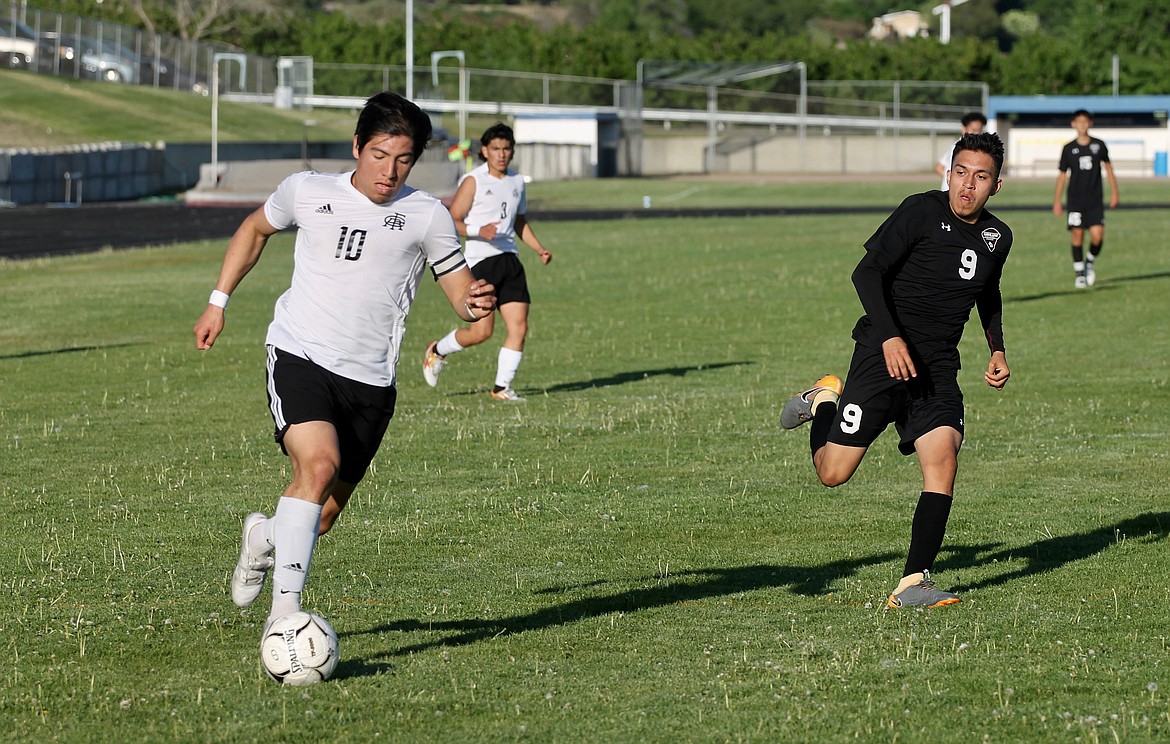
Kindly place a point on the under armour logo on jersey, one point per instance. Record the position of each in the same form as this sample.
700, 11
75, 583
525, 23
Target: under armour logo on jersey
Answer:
395, 221
325, 209
946, 226
991, 237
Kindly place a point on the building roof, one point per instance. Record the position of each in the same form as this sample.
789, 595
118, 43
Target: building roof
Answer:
999, 106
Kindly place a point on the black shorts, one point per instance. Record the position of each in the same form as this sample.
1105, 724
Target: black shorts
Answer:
1086, 217
506, 274
872, 400
300, 391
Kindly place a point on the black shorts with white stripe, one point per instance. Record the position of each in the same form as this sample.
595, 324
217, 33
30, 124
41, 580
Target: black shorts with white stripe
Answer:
300, 391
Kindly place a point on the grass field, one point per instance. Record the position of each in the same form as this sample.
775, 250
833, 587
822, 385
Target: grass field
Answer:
48, 111
638, 553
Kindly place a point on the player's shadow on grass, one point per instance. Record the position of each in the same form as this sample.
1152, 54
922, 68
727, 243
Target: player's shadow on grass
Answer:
62, 350
1053, 552
1102, 284
685, 586
621, 378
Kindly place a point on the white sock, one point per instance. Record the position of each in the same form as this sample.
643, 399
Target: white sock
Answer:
295, 535
506, 366
448, 345
908, 581
1079, 266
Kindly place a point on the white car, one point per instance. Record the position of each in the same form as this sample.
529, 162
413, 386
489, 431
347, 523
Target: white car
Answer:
18, 44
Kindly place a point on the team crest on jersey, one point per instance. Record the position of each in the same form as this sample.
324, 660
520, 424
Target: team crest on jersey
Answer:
991, 236
395, 221
1094, 148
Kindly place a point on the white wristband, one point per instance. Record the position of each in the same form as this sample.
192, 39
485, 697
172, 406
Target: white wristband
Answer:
219, 299
473, 230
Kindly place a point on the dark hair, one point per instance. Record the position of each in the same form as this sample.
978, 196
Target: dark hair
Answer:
987, 142
390, 113
1083, 112
496, 131
974, 116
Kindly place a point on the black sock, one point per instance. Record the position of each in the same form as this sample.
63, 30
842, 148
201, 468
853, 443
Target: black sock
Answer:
1078, 253
1095, 250
927, 530
497, 388
822, 423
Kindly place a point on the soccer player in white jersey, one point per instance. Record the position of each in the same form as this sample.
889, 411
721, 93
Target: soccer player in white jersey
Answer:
363, 240
489, 209
973, 123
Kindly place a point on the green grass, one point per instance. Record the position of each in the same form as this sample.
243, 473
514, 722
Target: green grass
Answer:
47, 111
788, 192
638, 553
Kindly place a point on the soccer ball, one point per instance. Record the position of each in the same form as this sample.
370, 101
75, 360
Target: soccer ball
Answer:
299, 649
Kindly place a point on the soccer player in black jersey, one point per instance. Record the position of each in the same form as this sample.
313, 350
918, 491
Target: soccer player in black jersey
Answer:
935, 258
1081, 162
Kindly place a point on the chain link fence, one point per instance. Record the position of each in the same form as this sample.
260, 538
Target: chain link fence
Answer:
73, 46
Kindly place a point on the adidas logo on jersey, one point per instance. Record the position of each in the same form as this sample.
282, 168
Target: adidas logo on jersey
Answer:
325, 209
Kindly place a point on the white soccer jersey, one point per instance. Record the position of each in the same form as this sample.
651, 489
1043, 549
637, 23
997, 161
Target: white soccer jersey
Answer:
357, 267
496, 200
945, 161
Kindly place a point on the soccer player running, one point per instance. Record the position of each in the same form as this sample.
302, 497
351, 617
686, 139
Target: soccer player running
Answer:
932, 260
363, 239
489, 209
1081, 162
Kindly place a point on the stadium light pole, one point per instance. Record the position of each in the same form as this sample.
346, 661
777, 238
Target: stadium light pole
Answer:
215, 60
457, 54
944, 21
410, 50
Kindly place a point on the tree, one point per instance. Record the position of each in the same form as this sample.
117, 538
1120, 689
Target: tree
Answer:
196, 19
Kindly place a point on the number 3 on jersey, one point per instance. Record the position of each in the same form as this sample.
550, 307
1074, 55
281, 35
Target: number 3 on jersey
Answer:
967, 262
851, 418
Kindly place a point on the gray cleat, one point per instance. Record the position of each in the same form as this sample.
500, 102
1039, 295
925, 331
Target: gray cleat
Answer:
922, 594
798, 409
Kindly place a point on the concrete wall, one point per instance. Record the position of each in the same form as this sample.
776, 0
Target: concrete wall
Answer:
819, 154
119, 171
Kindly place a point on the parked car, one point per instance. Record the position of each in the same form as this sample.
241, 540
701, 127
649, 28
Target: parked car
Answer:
82, 56
165, 73
18, 44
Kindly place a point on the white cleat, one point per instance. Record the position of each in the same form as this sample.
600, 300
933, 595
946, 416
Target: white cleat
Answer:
250, 572
432, 364
507, 394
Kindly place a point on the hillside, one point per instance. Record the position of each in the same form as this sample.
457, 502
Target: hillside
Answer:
47, 111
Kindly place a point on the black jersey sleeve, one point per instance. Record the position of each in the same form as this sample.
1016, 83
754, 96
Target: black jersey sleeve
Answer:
990, 306
989, 302
885, 250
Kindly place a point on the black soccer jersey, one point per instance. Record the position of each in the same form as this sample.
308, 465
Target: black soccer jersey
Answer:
923, 271
1083, 163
